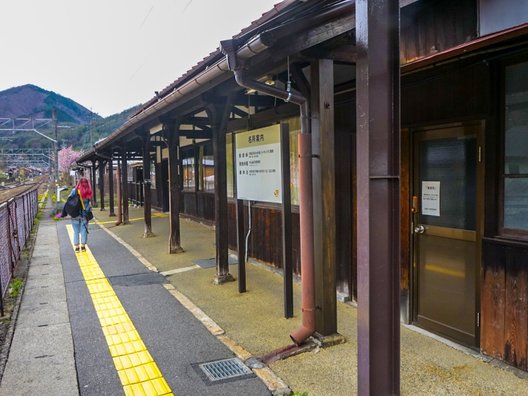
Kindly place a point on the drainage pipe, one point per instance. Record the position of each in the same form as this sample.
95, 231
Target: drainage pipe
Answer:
248, 233
305, 187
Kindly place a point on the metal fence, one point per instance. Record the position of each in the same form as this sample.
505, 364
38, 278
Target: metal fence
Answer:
16, 220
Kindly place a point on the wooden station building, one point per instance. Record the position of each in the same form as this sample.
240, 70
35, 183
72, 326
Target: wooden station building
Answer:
460, 150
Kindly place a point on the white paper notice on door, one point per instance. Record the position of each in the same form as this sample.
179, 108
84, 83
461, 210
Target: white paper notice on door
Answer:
431, 198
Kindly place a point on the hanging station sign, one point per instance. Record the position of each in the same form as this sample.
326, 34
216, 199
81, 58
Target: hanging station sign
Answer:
258, 164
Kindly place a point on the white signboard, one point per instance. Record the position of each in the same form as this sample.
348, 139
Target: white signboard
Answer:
258, 165
431, 198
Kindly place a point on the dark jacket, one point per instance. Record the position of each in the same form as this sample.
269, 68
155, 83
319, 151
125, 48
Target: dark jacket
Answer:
86, 202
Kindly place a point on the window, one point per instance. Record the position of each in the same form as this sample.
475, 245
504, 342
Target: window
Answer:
515, 172
153, 174
206, 168
188, 173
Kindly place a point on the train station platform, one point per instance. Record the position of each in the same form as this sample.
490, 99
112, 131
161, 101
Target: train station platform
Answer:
168, 306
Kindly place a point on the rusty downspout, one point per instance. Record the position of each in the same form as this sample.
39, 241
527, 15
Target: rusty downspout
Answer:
229, 48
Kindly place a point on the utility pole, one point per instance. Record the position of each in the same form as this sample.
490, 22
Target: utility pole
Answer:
56, 145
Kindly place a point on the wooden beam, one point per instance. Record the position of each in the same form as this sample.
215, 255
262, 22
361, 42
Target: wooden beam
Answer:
301, 82
286, 218
119, 219
188, 133
241, 99
94, 188
101, 182
323, 169
173, 138
124, 185
313, 37
239, 112
378, 186
180, 108
133, 136
111, 212
240, 228
219, 115
347, 53
196, 134
197, 121
264, 117
147, 191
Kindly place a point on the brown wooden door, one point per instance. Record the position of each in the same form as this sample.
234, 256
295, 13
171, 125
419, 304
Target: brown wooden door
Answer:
447, 197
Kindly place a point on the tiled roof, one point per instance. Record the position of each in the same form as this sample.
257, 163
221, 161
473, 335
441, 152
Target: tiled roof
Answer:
216, 54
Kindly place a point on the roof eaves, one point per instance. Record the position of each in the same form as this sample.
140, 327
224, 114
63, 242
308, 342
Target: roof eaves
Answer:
203, 65
466, 48
214, 55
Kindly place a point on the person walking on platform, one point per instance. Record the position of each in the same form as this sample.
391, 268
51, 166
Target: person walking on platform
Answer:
80, 221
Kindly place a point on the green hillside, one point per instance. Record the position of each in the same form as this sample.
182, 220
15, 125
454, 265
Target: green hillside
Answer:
78, 126
84, 136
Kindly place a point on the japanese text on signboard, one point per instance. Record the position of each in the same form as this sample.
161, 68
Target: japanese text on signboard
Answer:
258, 165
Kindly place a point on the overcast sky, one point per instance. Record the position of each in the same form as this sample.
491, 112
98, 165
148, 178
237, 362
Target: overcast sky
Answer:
109, 55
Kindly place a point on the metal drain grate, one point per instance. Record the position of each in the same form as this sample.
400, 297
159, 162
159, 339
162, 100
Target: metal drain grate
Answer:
224, 369
211, 262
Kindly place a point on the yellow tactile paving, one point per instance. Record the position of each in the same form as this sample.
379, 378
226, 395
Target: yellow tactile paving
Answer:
132, 359
152, 387
135, 367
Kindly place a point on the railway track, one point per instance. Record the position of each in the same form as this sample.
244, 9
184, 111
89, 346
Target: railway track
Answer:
9, 191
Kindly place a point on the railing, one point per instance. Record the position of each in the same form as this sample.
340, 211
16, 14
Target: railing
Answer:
16, 220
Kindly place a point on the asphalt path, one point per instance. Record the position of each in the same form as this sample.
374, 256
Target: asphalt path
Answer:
174, 337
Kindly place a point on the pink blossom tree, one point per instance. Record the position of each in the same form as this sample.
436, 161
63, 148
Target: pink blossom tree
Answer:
67, 156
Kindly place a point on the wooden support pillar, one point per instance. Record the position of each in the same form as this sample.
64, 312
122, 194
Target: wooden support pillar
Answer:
111, 212
323, 170
378, 189
286, 217
124, 186
240, 228
147, 194
101, 181
219, 115
173, 137
180, 174
94, 188
119, 219
196, 153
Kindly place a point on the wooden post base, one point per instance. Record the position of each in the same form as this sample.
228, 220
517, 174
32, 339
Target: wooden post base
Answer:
221, 279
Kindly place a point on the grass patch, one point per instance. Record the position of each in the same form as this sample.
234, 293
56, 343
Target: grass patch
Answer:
15, 287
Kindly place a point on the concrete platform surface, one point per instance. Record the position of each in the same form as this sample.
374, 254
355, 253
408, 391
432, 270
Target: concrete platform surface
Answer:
255, 321
183, 318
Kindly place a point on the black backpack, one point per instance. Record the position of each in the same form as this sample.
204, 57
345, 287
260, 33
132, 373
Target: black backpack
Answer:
72, 206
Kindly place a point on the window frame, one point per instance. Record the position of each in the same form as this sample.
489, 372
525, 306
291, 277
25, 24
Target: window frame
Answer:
197, 152
188, 152
503, 231
206, 151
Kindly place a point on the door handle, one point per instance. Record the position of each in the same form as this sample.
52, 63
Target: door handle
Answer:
419, 229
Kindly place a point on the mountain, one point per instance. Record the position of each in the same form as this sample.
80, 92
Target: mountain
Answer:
30, 101
78, 126
83, 137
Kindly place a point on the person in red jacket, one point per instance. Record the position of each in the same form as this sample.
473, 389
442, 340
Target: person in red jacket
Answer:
80, 223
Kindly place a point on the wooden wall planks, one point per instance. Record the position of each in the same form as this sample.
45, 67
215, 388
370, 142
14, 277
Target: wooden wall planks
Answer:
504, 298
431, 26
